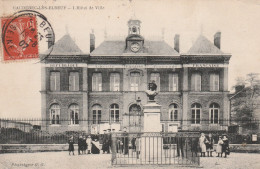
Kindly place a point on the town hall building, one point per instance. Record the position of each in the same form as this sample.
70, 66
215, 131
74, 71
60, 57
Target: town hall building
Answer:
106, 88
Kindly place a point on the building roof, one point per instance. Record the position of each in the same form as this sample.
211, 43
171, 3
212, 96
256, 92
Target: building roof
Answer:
204, 46
151, 48
65, 46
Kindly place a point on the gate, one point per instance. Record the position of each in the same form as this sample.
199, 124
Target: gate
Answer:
155, 149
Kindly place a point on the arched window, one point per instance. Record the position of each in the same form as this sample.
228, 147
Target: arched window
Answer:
173, 112
135, 109
195, 113
55, 114
214, 113
114, 113
96, 110
74, 114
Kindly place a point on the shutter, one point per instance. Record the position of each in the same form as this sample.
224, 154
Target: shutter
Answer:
211, 79
76, 81
117, 82
57, 81
216, 82
175, 82
170, 82
71, 84
193, 82
52, 81
111, 82
99, 82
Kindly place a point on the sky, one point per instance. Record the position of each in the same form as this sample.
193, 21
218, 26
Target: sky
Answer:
237, 20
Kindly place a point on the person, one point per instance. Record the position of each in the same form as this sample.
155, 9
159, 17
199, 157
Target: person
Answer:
202, 142
71, 145
225, 146
95, 147
109, 141
133, 143
180, 141
79, 144
104, 142
138, 145
195, 145
219, 146
89, 145
84, 145
125, 141
209, 145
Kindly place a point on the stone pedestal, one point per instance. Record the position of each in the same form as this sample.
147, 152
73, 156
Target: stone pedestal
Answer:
151, 141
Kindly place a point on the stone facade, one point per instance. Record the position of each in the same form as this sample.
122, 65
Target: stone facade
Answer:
144, 58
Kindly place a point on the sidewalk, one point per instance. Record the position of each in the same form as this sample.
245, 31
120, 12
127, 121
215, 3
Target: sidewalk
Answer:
57, 160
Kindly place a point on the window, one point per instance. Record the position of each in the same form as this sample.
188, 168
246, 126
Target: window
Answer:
196, 82
55, 114
114, 113
195, 113
156, 78
214, 113
96, 114
173, 82
55, 81
134, 81
214, 82
74, 81
97, 82
114, 81
173, 112
74, 114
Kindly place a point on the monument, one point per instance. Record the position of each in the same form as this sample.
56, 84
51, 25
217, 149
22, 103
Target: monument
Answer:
151, 145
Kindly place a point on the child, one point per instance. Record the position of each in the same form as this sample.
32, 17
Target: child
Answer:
219, 146
71, 145
210, 145
89, 141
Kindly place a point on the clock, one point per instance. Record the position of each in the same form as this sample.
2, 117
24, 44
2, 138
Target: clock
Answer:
135, 47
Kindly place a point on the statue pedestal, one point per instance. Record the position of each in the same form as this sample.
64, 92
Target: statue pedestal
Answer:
151, 141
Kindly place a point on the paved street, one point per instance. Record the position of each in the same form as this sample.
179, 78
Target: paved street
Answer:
56, 160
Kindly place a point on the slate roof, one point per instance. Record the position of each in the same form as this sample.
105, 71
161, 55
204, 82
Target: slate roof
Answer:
152, 48
65, 46
204, 46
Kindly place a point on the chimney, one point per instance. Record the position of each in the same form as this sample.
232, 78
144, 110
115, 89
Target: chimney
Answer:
177, 43
217, 39
92, 41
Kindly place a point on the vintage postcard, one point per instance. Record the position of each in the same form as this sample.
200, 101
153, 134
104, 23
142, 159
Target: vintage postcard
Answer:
129, 83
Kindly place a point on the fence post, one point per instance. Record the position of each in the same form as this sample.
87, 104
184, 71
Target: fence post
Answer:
113, 148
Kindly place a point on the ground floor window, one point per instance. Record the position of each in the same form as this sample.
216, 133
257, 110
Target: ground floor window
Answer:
214, 113
55, 114
96, 110
114, 113
74, 114
195, 113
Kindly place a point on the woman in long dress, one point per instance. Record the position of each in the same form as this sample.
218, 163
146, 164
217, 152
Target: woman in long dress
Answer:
89, 144
225, 146
219, 146
202, 142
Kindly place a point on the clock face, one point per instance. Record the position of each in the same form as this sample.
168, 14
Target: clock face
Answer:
135, 47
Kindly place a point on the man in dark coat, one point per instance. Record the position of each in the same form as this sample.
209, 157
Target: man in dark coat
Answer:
225, 146
109, 140
105, 142
125, 141
79, 144
180, 141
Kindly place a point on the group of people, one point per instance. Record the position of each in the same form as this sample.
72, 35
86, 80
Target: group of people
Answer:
85, 145
206, 144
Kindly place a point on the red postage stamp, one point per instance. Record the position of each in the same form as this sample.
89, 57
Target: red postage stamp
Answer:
20, 39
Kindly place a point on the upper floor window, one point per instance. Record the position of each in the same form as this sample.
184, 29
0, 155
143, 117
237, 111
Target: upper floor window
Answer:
74, 114
96, 82
114, 113
55, 114
156, 78
114, 82
96, 110
55, 81
173, 112
196, 82
214, 82
134, 81
214, 113
173, 82
195, 113
74, 81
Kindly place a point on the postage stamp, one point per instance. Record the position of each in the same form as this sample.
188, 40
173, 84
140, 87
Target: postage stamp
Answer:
25, 34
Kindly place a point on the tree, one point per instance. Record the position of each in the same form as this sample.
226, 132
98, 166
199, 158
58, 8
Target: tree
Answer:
245, 101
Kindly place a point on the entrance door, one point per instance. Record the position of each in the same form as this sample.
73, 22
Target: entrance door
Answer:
135, 119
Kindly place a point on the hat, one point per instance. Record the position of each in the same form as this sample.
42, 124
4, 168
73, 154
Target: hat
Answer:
108, 129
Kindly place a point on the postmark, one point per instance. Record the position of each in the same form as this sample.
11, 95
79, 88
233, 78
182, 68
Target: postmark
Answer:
26, 35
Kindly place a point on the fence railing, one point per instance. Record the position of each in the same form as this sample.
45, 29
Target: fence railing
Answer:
155, 148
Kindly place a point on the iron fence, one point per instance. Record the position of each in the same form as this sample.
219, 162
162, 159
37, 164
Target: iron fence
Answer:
155, 148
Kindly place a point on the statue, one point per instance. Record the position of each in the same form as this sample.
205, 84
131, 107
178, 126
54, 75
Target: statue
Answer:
151, 92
